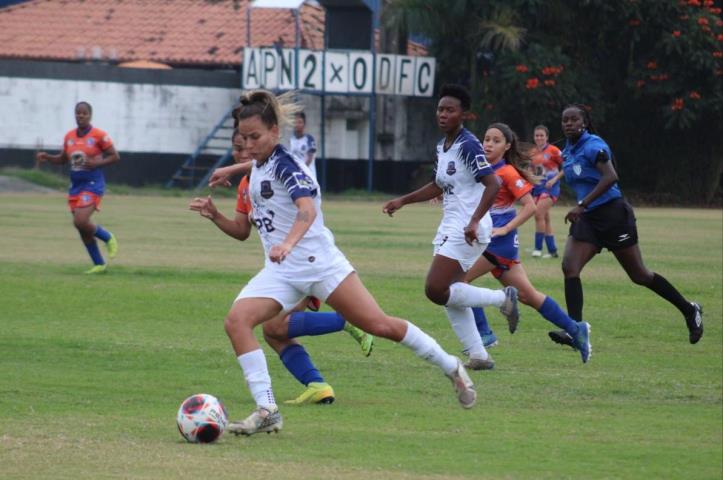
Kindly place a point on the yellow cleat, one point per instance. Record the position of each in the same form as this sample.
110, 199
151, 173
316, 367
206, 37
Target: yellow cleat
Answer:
366, 341
315, 392
97, 269
112, 246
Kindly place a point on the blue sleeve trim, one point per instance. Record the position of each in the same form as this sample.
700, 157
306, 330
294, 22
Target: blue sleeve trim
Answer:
473, 156
297, 183
312, 143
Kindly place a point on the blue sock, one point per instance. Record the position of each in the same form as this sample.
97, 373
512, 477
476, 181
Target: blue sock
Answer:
539, 236
94, 253
102, 234
481, 320
298, 363
553, 313
314, 323
550, 242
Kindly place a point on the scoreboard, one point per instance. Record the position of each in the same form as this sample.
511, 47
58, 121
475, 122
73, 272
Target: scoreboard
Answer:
338, 71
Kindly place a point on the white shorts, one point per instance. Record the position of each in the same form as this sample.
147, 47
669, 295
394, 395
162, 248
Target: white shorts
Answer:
457, 249
268, 284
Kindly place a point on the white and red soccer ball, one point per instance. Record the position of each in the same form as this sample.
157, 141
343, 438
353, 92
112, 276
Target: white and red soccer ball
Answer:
202, 418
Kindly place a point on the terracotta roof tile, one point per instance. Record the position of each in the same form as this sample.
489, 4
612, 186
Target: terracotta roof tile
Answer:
176, 32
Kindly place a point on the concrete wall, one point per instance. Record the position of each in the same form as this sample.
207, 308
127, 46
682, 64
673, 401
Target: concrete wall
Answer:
158, 117
138, 117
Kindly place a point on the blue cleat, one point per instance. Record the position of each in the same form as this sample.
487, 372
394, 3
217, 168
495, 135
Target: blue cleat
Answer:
489, 339
582, 341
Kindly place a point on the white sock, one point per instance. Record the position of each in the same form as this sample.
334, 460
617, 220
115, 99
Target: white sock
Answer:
463, 324
256, 372
465, 295
427, 348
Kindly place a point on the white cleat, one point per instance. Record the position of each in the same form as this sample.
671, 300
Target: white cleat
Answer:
537, 253
261, 420
463, 385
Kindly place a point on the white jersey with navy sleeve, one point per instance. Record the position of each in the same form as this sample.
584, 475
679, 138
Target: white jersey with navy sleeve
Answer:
301, 148
274, 186
458, 173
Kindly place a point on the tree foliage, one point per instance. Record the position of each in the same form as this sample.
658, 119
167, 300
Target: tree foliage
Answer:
650, 72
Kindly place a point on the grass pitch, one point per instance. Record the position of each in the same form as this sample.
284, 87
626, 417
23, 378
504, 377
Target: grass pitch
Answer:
92, 370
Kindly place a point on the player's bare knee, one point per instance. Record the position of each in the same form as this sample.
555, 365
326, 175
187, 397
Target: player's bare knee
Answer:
274, 331
569, 270
643, 278
437, 293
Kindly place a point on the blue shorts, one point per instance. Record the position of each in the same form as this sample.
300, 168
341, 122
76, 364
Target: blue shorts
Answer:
505, 247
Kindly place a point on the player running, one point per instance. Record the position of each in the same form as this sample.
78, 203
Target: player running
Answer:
302, 260
468, 186
280, 332
502, 254
88, 149
603, 219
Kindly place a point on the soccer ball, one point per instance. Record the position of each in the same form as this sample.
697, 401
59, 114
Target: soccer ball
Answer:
202, 418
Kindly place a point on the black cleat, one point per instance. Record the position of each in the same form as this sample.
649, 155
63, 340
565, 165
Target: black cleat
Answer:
562, 337
695, 323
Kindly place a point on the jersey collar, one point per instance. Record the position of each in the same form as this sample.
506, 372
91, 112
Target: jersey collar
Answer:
83, 132
499, 165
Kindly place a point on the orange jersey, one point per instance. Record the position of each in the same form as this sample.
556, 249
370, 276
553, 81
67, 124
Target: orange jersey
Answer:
90, 145
512, 187
243, 199
80, 148
546, 160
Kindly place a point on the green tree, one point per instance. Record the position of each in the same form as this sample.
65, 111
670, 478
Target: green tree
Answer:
649, 70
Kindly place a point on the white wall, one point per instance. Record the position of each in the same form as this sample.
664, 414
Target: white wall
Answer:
138, 117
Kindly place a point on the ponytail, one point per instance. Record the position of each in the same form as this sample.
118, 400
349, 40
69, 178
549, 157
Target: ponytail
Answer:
273, 110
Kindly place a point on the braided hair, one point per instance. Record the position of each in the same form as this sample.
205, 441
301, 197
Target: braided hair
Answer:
585, 116
516, 155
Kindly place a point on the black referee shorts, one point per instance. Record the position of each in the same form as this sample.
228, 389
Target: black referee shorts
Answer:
611, 226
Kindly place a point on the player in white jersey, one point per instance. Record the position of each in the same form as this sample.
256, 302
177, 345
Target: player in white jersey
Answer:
468, 186
303, 145
302, 260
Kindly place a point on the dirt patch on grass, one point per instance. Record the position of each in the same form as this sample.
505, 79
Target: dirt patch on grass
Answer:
18, 185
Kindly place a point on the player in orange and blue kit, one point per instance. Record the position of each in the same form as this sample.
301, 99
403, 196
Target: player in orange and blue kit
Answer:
547, 163
88, 149
502, 255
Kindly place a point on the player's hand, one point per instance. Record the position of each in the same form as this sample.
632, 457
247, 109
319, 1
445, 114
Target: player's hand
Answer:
41, 157
549, 184
500, 232
470, 233
91, 162
574, 214
436, 200
392, 206
278, 253
204, 206
219, 177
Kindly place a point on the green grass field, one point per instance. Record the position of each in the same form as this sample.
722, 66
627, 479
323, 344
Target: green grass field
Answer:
92, 370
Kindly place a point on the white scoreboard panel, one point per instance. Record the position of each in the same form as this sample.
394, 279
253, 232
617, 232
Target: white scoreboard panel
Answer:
339, 71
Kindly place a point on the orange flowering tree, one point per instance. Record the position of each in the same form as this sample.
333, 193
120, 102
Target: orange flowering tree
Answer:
650, 71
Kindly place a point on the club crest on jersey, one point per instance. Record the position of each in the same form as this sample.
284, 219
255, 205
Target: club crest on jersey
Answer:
481, 162
266, 190
451, 168
577, 169
90, 142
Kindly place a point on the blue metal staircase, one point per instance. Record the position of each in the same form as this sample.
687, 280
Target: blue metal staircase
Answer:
213, 152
